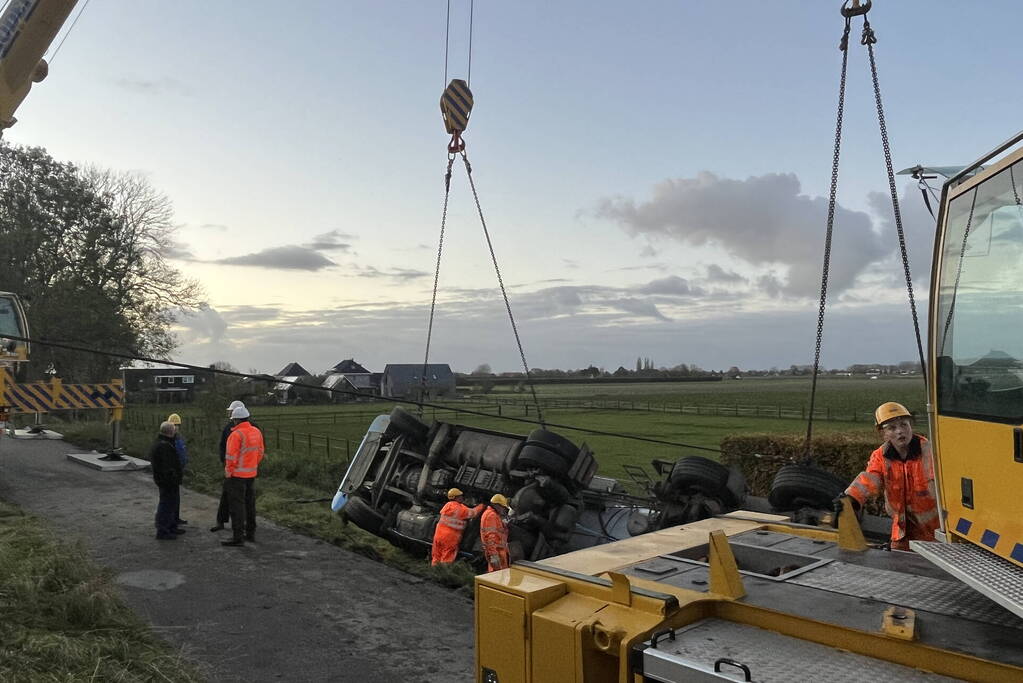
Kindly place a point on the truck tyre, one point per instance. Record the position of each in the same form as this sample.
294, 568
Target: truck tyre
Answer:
362, 515
797, 486
534, 456
708, 476
408, 424
553, 442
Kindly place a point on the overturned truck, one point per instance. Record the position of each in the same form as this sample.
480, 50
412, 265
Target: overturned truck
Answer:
398, 479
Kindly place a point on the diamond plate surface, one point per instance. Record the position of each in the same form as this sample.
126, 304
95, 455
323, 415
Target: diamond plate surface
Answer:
951, 598
770, 657
993, 576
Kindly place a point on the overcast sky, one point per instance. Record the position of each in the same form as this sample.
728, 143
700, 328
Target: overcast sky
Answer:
654, 175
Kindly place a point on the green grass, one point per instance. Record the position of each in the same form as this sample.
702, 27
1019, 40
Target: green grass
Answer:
61, 618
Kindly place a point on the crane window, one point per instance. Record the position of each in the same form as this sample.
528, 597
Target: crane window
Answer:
9, 320
979, 322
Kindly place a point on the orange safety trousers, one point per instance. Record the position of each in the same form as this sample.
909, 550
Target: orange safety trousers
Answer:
494, 536
909, 494
448, 534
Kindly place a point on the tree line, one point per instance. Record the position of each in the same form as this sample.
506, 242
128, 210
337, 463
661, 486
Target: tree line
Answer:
86, 250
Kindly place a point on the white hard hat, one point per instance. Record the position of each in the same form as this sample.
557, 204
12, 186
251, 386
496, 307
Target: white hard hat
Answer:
239, 412
235, 404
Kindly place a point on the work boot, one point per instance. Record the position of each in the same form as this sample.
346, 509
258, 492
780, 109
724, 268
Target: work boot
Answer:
233, 543
219, 527
182, 521
179, 531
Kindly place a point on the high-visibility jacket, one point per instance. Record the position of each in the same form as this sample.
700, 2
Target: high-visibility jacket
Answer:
448, 534
494, 535
908, 487
244, 451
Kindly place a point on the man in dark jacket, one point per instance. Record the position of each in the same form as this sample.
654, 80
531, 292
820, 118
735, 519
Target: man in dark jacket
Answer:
223, 509
166, 464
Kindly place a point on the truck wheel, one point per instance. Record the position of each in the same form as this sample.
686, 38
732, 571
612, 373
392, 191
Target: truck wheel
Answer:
694, 471
408, 424
797, 486
553, 442
538, 457
362, 515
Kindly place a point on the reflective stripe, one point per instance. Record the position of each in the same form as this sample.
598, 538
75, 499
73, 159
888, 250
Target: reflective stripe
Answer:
453, 522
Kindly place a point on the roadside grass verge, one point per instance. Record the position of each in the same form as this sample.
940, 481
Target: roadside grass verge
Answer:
61, 618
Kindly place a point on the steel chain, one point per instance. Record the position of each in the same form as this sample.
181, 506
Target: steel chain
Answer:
869, 39
436, 279
832, 195
504, 293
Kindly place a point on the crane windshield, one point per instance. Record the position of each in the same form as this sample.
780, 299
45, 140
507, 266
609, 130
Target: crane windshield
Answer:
979, 324
10, 318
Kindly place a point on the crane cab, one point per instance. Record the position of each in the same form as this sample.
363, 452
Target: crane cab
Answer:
13, 323
976, 347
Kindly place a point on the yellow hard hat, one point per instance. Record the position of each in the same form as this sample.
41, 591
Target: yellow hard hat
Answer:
498, 499
454, 493
890, 411
174, 419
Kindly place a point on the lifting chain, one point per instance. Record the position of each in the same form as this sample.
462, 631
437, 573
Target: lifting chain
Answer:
869, 39
832, 194
456, 106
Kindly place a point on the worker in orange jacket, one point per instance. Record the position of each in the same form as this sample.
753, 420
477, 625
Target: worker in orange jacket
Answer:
448, 535
241, 465
903, 469
494, 533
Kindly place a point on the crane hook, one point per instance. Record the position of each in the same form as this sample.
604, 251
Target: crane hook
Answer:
856, 9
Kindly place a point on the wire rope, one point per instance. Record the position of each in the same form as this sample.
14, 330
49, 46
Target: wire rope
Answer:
70, 29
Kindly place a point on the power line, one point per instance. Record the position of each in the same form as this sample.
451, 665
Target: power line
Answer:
70, 29
343, 392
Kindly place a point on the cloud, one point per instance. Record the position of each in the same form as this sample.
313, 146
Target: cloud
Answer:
671, 285
158, 86
398, 274
638, 307
290, 257
762, 220
213, 226
335, 240
176, 251
204, 326
716, 273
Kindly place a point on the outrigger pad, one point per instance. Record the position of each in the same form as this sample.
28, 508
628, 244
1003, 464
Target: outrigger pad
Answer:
97, 461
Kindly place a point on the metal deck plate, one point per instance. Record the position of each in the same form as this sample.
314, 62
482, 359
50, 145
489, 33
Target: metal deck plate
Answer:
907, 590
998, 579
770, 656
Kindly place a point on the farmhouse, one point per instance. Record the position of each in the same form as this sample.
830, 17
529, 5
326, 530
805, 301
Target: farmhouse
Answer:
406, 381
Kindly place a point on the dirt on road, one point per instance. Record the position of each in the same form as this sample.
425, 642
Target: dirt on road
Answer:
287, 607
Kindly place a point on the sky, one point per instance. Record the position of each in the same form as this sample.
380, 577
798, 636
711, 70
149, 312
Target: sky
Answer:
654, 175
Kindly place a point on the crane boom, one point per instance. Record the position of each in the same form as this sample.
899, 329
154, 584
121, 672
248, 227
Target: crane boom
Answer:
27, 27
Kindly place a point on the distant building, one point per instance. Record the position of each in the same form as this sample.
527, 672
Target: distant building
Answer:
406, 381
163, 383
348, 378
283, 389
347, 367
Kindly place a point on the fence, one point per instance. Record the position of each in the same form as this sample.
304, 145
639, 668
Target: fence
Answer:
323, 461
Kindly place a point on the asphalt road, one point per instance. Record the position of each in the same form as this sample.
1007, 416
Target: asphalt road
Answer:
287, 607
